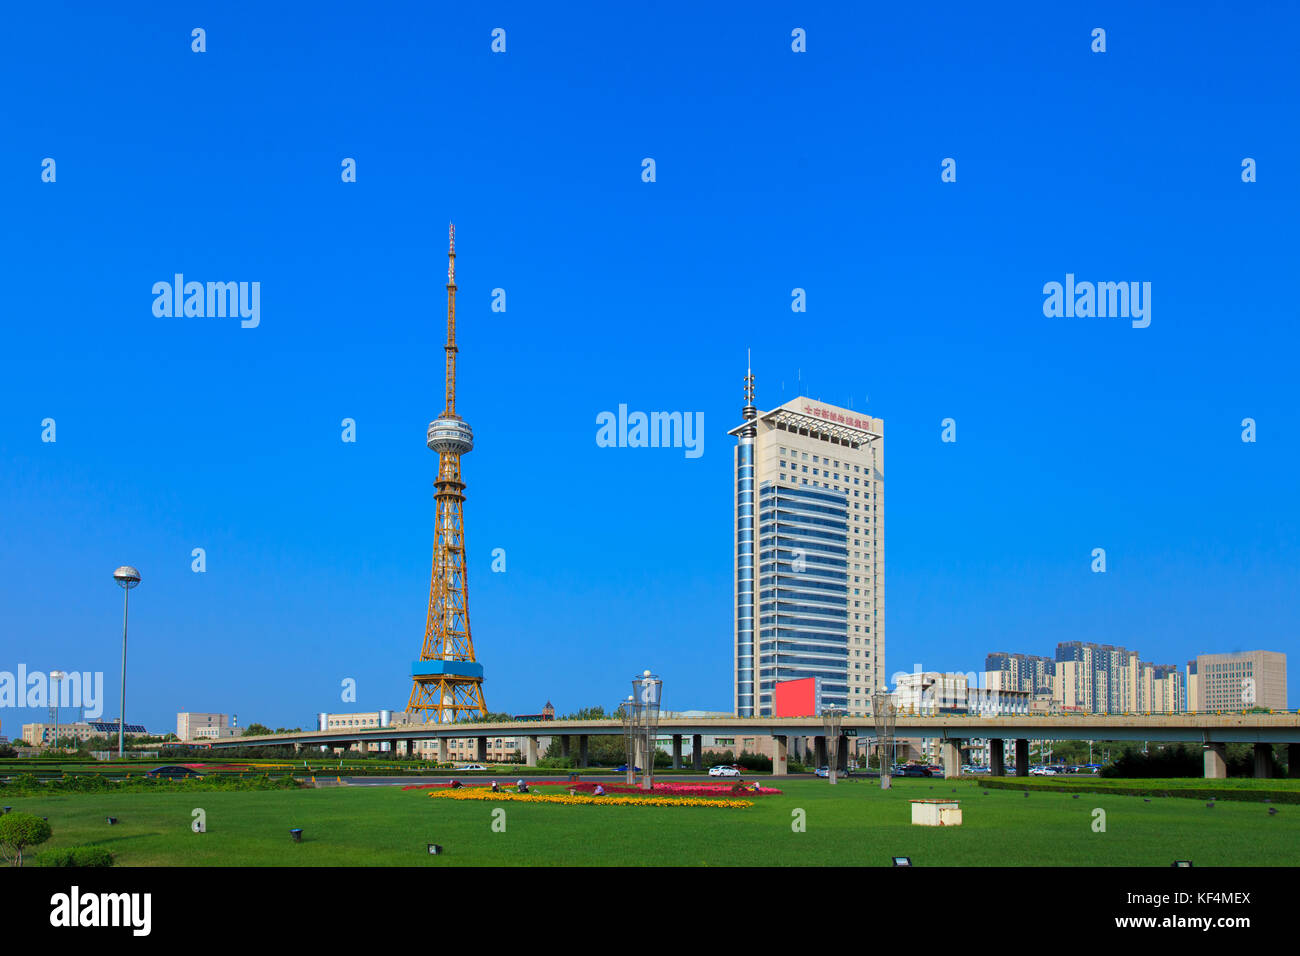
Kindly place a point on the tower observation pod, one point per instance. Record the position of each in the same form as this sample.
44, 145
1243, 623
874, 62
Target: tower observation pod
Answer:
447, 682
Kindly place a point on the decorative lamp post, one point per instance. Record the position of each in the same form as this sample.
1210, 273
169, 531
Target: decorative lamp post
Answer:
885, 712
832, 717
647, 691
629, 737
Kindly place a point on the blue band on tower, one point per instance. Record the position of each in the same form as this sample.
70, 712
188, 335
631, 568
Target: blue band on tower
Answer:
447, 668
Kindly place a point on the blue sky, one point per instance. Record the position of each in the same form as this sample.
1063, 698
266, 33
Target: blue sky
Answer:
775, 170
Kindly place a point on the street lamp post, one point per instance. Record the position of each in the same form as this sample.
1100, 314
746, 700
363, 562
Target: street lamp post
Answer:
57, 678
127, 577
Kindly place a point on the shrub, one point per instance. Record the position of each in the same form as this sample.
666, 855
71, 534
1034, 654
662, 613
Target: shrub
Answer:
556, 763
80, 856
754, 761
18, 831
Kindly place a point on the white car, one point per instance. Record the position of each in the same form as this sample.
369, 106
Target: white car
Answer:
722, 771
473, 766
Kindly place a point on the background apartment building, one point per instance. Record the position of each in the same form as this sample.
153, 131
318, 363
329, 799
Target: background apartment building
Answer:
1092, 679
809, 553
1237, 681
1023, 672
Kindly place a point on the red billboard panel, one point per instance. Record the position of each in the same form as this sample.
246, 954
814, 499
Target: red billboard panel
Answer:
796, 698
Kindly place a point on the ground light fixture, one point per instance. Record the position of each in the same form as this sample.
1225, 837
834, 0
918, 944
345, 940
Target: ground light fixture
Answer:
435, 849
296, 834
900, 861
1181, 863
112, 820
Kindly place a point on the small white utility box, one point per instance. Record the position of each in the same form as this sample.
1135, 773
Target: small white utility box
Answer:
936, 813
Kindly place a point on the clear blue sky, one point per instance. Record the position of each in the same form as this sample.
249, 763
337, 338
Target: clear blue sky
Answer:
775, 170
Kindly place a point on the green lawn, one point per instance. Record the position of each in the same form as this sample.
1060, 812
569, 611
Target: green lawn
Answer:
1279, 790
853, 823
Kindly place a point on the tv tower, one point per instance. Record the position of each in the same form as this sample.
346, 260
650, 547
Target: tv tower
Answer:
447, 681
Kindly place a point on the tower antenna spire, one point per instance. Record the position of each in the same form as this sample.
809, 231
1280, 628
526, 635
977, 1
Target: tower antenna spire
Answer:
749, 412
450, 410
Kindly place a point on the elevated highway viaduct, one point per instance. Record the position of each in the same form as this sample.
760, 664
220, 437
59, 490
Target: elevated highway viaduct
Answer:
1211, 731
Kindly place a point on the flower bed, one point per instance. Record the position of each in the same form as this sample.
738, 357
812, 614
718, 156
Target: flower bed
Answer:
678, 789
580, 799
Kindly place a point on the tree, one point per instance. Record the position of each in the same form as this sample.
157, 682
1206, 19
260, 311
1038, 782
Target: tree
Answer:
256, 730
19, 831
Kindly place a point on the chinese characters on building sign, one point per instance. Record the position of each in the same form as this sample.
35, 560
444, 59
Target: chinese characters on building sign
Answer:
863, 423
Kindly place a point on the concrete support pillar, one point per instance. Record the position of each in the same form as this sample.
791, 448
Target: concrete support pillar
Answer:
566, 743
950, 754
530, 751
444, 750
697, 751
779, 756
677, 751
1216, 762
480, 751
582, 750
842, 755
297, 746
1293, 760
363, 746
1263, 760
1022, 757
996, 766
819, 745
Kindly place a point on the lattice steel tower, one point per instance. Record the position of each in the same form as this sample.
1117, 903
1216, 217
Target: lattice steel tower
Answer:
447, 681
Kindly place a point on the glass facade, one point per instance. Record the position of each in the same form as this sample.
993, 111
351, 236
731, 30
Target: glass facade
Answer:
745, 579
802, 591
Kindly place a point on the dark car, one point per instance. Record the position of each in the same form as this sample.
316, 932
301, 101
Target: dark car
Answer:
172, 772
915, 771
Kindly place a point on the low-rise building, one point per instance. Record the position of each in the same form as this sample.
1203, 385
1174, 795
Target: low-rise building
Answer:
192, 726
37, 735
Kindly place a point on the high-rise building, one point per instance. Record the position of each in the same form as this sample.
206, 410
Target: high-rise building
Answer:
809, 553
1104, 679
1238, 681
1026, 672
